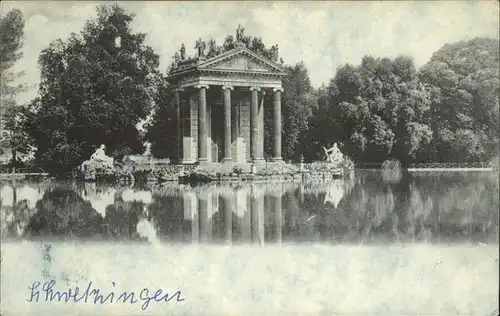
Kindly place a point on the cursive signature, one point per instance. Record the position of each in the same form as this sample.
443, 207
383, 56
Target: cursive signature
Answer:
95, 296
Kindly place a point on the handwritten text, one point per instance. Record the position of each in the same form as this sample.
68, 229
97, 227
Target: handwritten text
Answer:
95, 296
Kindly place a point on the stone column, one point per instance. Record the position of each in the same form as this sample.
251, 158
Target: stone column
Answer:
178, 151
260, 147
254, 124
277, 124
202, 124
227, 123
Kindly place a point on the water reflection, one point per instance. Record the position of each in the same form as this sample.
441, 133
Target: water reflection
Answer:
433, 208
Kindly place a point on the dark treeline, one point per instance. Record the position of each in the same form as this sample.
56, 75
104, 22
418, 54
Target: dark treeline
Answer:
97, 85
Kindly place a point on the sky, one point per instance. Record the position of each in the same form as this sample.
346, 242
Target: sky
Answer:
322, 34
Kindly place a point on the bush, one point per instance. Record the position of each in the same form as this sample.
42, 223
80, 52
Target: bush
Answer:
347, 166
392, 172
494, 162
394, 165
237, 170
198, 177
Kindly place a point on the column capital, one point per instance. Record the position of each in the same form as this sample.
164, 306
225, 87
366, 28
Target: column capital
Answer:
201, 86
227, 87
254, 88
278, 89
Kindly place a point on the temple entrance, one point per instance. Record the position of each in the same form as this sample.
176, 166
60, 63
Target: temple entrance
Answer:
217, 123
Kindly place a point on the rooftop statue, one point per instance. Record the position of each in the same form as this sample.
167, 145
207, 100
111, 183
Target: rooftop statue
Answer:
200, 46
183, 52
239, 33
177, 57
274, 52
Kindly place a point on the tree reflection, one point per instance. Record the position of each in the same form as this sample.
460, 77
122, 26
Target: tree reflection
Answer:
63, 213
168, 215
122, 218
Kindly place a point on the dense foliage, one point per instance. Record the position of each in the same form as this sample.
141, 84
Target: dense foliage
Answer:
162, 130
11, 113
95, 88
375, 110
384, 109
464, 116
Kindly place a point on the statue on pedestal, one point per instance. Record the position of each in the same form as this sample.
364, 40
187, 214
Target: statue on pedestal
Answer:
333, 155
97, 162
100, 157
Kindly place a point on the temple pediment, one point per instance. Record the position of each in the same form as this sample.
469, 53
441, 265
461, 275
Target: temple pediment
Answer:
239, 67
241, 60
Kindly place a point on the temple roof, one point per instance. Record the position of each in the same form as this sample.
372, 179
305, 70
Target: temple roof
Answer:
237, 60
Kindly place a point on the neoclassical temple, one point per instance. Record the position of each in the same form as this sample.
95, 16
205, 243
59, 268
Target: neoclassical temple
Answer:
220, 106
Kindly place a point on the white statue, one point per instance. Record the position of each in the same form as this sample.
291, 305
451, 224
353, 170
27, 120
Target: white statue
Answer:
100, 156
333, 155
147, 151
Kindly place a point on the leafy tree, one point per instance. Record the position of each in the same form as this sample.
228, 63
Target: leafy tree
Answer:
465, 76
11, 37
95, 88
162, 130
376, 111
299, 98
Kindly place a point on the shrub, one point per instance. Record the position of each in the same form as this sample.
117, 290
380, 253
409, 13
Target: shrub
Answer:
392, 172
393, 164
237, 170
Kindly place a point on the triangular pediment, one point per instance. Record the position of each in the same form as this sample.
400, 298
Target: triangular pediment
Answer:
241, 60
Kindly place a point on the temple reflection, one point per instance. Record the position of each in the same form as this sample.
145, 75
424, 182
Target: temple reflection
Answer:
227, 214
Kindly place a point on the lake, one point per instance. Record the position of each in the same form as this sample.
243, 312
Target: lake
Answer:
424, 243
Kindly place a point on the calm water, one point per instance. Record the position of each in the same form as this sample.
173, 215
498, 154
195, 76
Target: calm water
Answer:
426, 243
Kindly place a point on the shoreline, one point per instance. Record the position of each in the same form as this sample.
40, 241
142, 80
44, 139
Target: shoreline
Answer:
244, 177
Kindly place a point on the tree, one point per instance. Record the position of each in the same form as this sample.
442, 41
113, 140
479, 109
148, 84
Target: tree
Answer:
11, 35
465, 77
299, 98
376, 111
95, 88
162, 130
